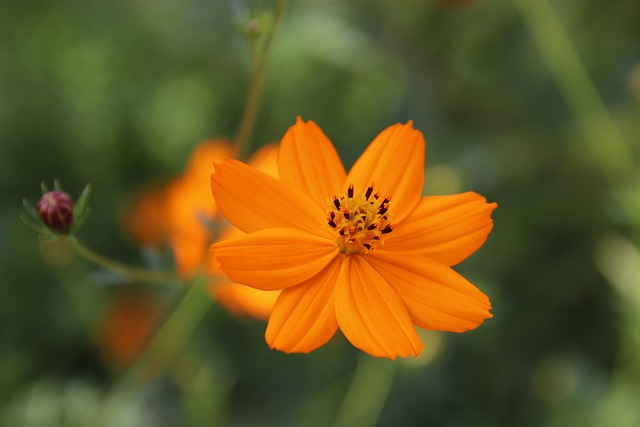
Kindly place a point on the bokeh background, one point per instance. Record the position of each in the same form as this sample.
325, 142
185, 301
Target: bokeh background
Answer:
534, 104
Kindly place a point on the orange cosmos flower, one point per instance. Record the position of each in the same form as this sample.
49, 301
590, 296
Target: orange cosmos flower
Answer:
128, 323
144, 218
362, 251
182, 215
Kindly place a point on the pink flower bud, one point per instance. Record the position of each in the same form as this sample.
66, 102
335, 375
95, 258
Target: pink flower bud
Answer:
55, 209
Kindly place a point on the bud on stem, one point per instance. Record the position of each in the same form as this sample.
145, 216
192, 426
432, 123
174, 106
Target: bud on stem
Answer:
55, 210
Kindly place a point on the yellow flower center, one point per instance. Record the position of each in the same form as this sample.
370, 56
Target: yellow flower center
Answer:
360, 220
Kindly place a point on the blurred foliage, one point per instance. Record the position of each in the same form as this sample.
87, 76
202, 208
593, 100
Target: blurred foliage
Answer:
117, 93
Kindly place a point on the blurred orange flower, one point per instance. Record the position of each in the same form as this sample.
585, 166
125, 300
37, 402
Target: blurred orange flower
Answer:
127, 324
183, 215
345, 252
144, 218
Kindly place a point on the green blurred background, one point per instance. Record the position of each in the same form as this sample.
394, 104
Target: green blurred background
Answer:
533, 103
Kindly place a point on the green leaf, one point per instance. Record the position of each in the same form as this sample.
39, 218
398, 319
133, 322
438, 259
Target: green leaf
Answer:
33, 224
80, 206
29, 207
80, 220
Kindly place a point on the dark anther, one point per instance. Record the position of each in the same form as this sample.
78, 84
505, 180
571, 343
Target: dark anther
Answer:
336, 202
387, 229
383, 209
372, 226
342, 232
345, 212
332, 217
350, 190
366, 245
369, 191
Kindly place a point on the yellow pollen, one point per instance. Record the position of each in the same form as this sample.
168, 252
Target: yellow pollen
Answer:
360, 219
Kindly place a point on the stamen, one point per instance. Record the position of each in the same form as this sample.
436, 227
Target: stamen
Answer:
388, 229
369, 191
360, 219
336, 202
384, 206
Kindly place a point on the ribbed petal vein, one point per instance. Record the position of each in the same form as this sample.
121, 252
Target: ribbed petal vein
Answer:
303, 317
275, 258
252, 200
309, 162
371, 314
394, 161
435, 295
446, 228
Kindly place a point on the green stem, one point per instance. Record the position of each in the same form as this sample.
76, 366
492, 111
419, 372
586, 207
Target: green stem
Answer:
605, 141
171, 337
138, 274
367, 393
248, 119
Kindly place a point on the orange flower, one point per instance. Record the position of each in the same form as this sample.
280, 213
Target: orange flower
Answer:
143, 216
189, 211
182, 215
128, 323
362, 251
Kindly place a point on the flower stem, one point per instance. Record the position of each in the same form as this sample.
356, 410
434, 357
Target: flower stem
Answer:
605, 141
367, 393
138, 274
248, 119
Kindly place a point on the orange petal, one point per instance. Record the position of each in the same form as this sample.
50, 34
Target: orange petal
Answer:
436, 296
202, 158
304, 316
266, 159
274, 258
244, 301
253, 201
309, 162
143, 216
446, 228
371, 314
187, 214
394, 161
